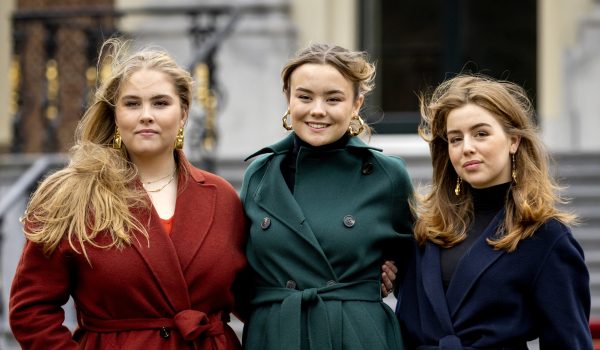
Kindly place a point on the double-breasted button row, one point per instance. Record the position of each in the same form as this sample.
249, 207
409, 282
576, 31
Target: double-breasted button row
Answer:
291, 284
348, 221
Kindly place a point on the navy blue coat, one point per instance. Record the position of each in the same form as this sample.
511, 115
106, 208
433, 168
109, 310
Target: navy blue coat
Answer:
500, 300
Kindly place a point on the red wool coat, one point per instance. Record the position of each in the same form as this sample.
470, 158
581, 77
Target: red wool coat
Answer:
175, 293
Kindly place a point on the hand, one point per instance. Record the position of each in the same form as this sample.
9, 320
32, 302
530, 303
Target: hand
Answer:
388, 277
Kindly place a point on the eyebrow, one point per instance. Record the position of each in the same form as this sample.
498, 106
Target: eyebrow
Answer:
155, 97
478, 125
330, 92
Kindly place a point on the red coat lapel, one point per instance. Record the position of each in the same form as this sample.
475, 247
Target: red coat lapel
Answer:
194, 215
161, 257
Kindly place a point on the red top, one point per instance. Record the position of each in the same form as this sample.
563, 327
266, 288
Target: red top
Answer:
167, 224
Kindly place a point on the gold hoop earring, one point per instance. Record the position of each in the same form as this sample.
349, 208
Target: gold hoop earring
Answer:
287, 126
457, 188
116, 143
514, 168
355, 130
179, 139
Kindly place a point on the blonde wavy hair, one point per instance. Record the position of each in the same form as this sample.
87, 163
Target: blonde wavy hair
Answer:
97, 192
353, 65
442, 217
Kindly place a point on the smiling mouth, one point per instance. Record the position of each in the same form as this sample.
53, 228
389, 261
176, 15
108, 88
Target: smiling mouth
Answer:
471, 163
317, 125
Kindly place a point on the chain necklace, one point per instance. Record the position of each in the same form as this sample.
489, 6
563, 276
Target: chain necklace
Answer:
163, 186
157, 180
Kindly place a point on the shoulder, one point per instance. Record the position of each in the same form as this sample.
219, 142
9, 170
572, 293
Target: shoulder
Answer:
207, 178
555, 238
393, 166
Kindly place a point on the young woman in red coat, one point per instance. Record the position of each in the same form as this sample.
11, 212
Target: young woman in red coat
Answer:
147, 245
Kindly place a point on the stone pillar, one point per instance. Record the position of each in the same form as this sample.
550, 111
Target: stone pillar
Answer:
582, 85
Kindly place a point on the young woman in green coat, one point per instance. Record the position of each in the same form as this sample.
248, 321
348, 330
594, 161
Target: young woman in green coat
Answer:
325, 211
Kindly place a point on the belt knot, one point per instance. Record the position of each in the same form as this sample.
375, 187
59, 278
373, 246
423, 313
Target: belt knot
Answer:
309, 295
192, 324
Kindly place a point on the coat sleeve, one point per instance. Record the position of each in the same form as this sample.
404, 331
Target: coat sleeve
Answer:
40, 287
562, 297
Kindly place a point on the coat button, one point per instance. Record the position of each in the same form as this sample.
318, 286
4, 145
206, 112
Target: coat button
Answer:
349, 221
266, 223
290, 284
367, 168
165, 333
330, 283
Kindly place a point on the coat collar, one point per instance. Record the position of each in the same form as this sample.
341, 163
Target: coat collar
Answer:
287, 144
477, 260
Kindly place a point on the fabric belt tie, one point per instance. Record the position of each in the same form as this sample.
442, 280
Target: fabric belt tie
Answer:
191, 324
320, 317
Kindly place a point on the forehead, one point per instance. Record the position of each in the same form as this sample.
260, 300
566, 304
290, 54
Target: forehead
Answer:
470, 115
148, 82
321, 75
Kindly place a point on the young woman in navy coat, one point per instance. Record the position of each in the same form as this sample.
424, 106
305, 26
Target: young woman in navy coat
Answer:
496, 264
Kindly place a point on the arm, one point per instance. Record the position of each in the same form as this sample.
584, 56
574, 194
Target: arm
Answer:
562, 297
40, 287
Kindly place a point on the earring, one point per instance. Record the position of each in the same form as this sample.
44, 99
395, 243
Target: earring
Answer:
287, 126
116, 143
355, 130
514, 169
457, 188
179, 139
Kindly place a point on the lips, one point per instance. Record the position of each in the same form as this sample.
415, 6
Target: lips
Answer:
317, 125
147, 131
471, 164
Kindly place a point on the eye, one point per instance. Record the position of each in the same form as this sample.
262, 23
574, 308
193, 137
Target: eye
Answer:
454, 139
303, 97
334, 99
481, 133
130, 104
162, 103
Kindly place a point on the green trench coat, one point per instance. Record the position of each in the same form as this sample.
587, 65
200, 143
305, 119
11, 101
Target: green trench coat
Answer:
316, 254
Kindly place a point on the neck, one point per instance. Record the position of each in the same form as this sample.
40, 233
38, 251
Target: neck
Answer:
155, 168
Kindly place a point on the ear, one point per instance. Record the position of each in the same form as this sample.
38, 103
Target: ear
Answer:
515, 140
358, 104
184, 118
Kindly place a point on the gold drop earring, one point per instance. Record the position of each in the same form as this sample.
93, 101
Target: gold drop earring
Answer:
286, 125
116, 144
514, 169
457, 188
179, 139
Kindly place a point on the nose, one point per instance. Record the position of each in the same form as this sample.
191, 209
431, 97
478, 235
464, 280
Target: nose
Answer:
318, 108
146, 115
468, 146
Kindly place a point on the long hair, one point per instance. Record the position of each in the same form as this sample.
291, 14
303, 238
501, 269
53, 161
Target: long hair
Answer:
443, 217
97, 191
353, 65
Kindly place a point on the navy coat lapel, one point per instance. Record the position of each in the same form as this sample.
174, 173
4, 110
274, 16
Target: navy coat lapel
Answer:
432, 284
472, 265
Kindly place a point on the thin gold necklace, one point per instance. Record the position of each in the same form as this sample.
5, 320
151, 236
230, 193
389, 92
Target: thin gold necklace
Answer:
163, 186
157, 180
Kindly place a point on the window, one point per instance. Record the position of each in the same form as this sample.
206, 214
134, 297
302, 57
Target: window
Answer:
417, 44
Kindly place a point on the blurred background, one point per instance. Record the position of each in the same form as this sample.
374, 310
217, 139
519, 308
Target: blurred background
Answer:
235, 50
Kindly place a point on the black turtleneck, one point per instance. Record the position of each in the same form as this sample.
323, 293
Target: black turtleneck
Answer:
487, 202
288, 165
